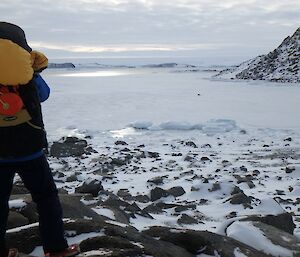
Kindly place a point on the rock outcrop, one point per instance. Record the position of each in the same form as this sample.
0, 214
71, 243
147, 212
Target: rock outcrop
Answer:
280, 65
127, 200
100, 238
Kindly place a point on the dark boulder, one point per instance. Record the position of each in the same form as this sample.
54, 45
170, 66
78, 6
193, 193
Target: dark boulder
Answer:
242, 198
92, 187
282, 221
176, 191
158, 193
15, 219
70, 146
197, 242
186, 219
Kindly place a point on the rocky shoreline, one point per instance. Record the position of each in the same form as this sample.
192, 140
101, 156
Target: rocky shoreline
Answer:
130, 201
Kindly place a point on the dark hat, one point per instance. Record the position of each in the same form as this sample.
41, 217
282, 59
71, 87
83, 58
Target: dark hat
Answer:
15, 34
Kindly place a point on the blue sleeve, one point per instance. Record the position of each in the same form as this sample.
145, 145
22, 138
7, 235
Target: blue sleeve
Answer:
42, 87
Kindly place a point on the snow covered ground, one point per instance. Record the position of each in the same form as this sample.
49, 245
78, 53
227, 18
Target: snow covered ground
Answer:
239, 129
103, 100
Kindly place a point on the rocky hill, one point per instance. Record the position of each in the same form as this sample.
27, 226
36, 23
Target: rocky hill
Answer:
281, 65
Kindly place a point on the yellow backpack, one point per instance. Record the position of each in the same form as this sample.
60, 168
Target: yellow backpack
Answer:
15, 64
17, 67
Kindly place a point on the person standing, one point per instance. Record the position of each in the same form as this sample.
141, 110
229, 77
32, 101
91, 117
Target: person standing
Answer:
23, 141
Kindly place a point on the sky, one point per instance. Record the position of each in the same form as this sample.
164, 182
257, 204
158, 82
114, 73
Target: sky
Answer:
233, 30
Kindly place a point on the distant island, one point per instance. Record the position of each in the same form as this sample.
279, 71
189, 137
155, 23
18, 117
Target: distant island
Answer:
66, 65
280, 65
106, 66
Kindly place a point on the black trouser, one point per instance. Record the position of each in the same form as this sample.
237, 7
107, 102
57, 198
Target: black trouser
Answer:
37, 178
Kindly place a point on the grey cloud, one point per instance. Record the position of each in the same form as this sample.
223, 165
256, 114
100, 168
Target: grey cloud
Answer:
250, 26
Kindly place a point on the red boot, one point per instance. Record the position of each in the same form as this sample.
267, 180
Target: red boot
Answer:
13, 252
72, 250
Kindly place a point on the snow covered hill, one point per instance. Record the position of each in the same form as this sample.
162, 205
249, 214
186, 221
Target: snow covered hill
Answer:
282, 64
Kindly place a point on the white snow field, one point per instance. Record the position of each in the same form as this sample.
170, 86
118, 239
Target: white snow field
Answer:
102, 100
244, 129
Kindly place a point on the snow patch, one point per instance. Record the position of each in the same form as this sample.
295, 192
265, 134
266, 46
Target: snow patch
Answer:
105, 212
247, 233
212, 127
17, 204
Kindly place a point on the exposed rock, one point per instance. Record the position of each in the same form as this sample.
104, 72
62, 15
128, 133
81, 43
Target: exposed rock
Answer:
157, 180
70, 146
195, 189
126, 236
186, 219
206, 146
176, 154
72, 178
152, 154
236, 190
245, 179
181, 208
133, 208
187, 173
282, 64
27, 239
191, 144
157, 241
215, 187
189, 158
118, 246
176, 191
243, 168
119, 142
205, 242
124, 193
16, 219
205, 158
242, 198
119, 161
114, 201
226, 163
19, 188
141, 198
72, 207
158, 193
159, 207
282, 221
153, 208
279, 238
30, 212
132, 174
92, 187
289, 169
121, 216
